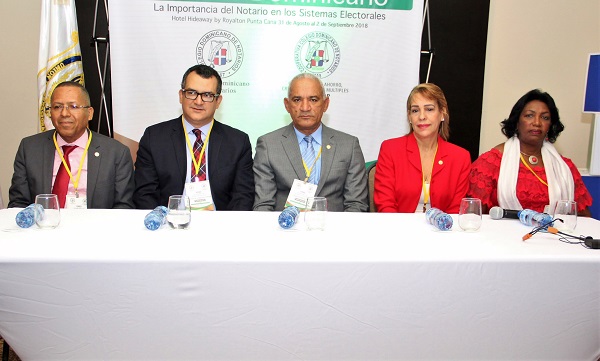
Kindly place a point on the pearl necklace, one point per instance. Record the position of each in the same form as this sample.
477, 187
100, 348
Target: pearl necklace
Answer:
532, 159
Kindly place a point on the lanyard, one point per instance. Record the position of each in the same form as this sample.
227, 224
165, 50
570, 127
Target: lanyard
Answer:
309, 170
531, 170
189, 144
426, 190
64, 162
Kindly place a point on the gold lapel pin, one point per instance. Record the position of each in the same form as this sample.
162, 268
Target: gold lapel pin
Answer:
440, 162
328, 146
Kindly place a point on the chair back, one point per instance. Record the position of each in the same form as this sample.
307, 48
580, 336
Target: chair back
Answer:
371, 176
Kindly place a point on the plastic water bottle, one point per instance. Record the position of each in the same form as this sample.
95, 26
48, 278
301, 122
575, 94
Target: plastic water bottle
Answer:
156, 219
28, 216
535, 219
440, 220
288, 217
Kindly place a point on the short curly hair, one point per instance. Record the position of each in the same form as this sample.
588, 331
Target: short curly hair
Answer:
509, 125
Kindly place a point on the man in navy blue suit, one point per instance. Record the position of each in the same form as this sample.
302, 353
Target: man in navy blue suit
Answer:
214, 171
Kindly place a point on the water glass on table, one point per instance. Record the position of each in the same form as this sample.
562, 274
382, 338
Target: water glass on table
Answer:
315, 215
469, 214
179, 214
50, 218
566, 211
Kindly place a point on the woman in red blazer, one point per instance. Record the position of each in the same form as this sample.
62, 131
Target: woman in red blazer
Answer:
422, 169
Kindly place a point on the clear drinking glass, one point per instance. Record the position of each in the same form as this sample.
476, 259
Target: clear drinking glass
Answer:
50, 218
179, 213
469, 214
315, 215
567, 211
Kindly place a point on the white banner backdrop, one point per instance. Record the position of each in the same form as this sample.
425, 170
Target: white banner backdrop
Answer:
366, 52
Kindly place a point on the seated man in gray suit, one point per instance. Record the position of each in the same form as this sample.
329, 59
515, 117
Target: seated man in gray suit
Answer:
307, 158
94, 171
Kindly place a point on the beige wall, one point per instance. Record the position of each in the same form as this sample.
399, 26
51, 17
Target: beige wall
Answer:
20, 28
531, 44
540, 44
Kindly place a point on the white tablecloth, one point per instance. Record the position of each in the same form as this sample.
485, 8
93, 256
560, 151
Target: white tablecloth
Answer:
235, 286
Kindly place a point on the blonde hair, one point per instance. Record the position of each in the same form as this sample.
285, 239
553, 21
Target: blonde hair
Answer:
435, 93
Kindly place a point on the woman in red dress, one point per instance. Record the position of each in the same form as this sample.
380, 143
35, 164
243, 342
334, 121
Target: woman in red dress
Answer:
526, 172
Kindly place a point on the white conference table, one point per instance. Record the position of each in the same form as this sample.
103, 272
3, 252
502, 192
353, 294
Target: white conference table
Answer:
234, 286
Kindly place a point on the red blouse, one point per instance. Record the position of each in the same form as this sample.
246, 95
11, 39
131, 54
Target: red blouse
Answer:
531, 193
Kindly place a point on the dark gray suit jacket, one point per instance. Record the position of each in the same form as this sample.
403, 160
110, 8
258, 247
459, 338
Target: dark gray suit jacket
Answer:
109, 178
278, 162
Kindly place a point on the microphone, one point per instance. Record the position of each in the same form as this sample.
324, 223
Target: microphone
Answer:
499, 213
592, 243
527, 216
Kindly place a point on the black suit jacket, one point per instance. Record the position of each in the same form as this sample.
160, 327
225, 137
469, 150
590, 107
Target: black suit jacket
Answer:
161, 166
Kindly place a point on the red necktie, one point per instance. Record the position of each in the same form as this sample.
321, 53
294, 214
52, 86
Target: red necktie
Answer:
61, 183
201, 175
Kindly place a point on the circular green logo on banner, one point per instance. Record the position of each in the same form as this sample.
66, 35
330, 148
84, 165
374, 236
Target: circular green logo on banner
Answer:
318, 53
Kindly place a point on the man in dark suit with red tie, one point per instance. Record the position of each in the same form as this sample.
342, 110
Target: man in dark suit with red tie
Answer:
100, 168
194, 154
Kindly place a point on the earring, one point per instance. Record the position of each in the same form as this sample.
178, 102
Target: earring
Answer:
443, 119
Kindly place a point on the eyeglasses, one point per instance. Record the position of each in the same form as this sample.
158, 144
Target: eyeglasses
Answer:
206, 97
70, 107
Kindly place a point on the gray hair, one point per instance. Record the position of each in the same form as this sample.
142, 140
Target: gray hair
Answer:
307, 76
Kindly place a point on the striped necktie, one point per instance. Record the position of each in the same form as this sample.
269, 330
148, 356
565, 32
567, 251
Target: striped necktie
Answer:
197, 149
309, 158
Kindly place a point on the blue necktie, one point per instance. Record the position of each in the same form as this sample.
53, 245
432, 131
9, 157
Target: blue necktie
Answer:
309, 158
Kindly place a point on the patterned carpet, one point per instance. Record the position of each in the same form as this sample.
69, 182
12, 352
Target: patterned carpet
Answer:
12, 356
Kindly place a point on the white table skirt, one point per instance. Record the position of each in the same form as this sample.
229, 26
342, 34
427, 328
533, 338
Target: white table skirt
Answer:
237, 287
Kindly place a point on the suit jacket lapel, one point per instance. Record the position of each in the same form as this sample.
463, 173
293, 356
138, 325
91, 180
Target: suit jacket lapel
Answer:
412, 150
179, 149
48, 162
415, 159
215, 141
289, 143
327, 154
94, 158
442, 152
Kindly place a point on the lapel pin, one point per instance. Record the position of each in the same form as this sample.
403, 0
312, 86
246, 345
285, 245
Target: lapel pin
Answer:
96, 154
440, 162
328, 146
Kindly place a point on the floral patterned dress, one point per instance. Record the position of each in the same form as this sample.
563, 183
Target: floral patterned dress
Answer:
531, 193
